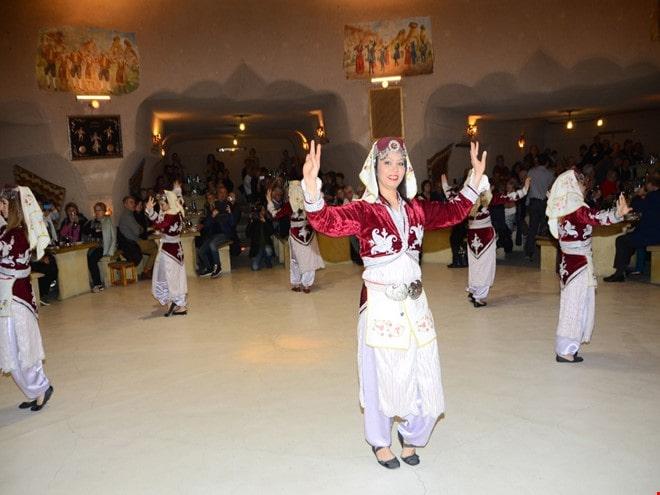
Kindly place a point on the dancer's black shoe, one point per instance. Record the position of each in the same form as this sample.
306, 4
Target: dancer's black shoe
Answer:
27, 405
411, 460
392, 463
39, 407
576, 359
470, 297
170, 311
479, 304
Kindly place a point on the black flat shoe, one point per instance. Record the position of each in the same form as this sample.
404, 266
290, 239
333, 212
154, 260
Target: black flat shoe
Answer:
479, 304
27, 405
47, 396
411, 460
170, 311
576, 359
615, 277
180, 313
470, 297
392, 463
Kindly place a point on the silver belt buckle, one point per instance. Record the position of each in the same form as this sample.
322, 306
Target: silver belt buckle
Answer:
415, 289
397, 292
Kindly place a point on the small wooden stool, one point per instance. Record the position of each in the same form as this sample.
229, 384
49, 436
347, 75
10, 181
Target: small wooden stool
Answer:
126, 271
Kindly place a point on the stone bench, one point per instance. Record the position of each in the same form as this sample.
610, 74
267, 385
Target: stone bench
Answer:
281, 248
548, 247
655, 263
34, 281
225, 256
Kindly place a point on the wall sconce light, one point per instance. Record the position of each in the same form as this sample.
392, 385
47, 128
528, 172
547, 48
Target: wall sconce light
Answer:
94, 101
235, 141
162, 152
241, 122
569, 122
320, 135
521, 141
600, 122
471, 130
385, 81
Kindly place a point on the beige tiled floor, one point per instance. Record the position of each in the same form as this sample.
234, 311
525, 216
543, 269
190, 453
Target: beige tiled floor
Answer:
255, 391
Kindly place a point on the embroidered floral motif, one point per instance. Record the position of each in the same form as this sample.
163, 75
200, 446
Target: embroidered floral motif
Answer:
386, 328
476, 244
418, 231
24, 259
5, 248
382, 242
425, 323
567, 228
562, 269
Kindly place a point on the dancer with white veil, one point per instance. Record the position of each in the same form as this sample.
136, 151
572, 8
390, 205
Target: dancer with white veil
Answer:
398, 360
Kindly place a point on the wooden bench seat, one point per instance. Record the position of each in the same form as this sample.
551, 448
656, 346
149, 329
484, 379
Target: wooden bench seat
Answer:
225, 256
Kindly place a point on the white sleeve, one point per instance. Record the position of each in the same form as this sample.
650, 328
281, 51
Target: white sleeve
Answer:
311, 205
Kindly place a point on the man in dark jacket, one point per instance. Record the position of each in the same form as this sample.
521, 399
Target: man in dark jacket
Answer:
647, 233
218, 227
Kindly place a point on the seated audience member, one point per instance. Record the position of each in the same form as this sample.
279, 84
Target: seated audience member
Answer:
647, 233
100, 230
50, 218
350, 194
276, 201
340, 197
129, 241
141, 218
425, 190
609, 188
70, 230
217, 228
259, 230
47, 266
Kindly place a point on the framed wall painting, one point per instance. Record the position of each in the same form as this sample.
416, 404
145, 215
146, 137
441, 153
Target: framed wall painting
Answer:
95, 137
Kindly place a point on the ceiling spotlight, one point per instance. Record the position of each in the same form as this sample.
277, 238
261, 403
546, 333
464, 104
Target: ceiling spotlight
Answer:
600, 122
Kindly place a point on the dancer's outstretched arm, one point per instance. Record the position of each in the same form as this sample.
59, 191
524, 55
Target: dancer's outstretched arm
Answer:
335, 221
438, 215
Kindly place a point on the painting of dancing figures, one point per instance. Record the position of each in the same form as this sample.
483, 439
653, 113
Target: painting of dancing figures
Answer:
95, 137
87, 61
388, 48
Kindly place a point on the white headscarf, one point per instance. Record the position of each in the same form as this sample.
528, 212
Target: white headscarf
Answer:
175, 203
565, 198
33, 217
296, 196
368, 173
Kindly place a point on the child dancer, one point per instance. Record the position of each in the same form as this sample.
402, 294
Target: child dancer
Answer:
572, 221
482, 249
169, 284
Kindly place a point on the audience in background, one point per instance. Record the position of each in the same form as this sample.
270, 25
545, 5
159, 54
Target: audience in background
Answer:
70, 230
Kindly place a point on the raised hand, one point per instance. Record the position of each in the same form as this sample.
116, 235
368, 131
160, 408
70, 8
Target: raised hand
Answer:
478, 166
150, 203
622, 208
311, 168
